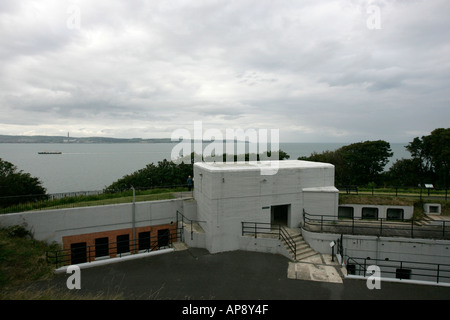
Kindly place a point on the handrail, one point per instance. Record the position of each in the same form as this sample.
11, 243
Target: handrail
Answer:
436, 271
289, 241
64, 257
379, 226
256, 228
191, 223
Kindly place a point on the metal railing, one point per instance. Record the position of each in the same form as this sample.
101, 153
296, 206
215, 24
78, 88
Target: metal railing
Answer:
415, 192
21, 203
91, 253
377, 227
184, 220
275, 230
400, 269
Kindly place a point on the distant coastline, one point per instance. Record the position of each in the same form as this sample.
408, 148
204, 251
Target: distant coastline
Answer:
64, 139
100, 140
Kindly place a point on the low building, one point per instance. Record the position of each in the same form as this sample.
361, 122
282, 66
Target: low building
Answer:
229, 194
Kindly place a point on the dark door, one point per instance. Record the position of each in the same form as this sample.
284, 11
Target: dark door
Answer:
101, 247
163, 237
78, 253
144, 240
280, 214
123, 243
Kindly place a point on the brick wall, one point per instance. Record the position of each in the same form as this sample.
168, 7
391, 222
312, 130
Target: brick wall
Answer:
112, 247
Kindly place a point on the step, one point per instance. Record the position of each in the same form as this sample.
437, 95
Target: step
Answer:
304, 255
303, 249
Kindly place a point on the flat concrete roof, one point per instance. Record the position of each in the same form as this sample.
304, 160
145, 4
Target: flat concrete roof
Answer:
258, 165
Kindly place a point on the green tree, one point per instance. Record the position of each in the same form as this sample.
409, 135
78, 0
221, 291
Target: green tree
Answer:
164, 174
17, 186
432, 152
333, 157
358, 163
365, 161
404, 172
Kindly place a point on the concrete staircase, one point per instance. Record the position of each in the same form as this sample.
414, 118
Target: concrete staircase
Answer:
303, 249
433, 220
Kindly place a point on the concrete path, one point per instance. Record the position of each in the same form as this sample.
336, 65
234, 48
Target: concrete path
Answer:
319, 267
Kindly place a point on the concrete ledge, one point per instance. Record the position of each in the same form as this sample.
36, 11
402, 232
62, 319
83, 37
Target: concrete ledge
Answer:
420, 282
115, 260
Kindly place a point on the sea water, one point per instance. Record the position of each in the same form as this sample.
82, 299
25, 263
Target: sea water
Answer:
88, 167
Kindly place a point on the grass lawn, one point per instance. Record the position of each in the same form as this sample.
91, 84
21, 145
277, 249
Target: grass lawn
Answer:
397, 201
96, 200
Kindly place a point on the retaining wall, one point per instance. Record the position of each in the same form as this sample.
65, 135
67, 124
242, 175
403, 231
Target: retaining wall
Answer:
53, 225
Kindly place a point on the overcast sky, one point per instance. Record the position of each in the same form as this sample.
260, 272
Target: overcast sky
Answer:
319, 71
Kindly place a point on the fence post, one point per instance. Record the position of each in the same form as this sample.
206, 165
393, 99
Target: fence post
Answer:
353, 225
437, 275
255, 230
365, 262
443, 229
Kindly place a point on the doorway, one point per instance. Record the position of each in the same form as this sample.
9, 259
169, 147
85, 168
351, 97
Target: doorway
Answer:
163, 237
280, 214
78, 253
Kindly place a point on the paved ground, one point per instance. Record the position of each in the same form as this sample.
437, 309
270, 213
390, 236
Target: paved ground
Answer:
195, 274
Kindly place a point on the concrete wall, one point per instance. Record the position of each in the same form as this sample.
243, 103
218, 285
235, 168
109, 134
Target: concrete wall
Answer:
321, 201
406, 249
266, 245
53, 225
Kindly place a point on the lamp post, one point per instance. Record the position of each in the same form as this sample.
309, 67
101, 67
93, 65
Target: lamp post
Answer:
133, 217
332, 244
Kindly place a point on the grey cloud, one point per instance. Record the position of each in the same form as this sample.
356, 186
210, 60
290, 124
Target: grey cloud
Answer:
312, 69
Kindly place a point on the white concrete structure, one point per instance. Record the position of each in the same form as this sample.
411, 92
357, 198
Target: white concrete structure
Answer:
432, 208
228, 194
368, 211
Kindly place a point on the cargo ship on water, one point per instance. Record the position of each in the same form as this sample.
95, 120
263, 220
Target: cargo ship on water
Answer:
50, 152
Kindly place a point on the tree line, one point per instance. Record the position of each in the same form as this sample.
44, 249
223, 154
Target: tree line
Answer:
169, 173
363, 163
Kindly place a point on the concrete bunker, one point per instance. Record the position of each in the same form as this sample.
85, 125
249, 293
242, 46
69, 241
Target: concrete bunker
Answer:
228, 194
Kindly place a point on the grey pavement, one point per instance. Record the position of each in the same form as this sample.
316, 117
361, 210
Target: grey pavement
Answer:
195, 274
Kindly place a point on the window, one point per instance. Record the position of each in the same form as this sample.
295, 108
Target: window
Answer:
78, 252
369, 213
101, 247
163, 237
345, 212
403, 273
123, 243
434, 209
394, 214
144, 240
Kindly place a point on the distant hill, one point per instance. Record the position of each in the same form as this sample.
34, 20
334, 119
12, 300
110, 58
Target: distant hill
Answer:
63, 139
